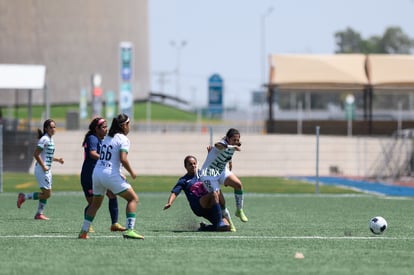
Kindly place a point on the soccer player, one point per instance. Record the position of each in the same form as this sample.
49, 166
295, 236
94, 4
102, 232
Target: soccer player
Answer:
44, 156
215, 171
107, 176
202, 203
98, 129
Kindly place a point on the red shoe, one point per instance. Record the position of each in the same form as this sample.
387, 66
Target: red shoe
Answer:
41, 217
83, 235
20, 200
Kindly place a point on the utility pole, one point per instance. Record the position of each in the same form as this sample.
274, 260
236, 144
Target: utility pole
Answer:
178, 46
263, 42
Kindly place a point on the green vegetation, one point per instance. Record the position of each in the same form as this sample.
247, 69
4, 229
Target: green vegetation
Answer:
23, 182
158, 112
393, 41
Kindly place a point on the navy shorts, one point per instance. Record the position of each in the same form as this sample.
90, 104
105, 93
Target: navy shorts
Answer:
206, 213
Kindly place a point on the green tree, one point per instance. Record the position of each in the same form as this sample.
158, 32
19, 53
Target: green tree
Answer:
393, 41
348, 41
372, 45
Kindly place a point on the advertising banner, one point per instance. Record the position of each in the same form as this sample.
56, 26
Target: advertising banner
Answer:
215, 95
126, 97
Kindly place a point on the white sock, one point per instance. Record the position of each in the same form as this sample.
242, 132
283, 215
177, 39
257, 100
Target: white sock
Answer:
130, 222
226, 214
41, 207
85, 226
239, 201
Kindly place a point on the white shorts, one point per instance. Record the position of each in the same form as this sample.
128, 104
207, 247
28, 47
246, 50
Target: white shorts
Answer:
102, 182
212, 183
44, 179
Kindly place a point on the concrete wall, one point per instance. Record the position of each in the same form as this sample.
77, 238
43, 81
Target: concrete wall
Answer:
262, 155
339, 127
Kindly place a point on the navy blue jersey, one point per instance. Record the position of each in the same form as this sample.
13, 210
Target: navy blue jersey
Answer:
194, 190
192, 187
93, 143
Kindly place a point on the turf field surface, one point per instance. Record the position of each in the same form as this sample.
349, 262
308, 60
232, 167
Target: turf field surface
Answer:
330, 231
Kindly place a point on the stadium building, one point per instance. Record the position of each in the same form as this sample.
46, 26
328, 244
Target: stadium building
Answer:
74, 40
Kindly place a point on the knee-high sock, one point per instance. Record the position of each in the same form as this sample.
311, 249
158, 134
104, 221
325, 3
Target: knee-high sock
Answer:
217, 214
113, 210
239, 197
87, 223
226, 214
41, 207
130, 220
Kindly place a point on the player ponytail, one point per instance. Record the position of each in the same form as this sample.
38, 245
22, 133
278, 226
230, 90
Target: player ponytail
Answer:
46, 124
116, 125
92, 127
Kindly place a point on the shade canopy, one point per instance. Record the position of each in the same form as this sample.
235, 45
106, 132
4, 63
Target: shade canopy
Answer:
22, 77
17, 77
335, 73
339, 71
318, 71
391, 71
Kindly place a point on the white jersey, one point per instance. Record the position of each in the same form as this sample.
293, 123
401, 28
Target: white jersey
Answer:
47, 147
217, 160
109, 161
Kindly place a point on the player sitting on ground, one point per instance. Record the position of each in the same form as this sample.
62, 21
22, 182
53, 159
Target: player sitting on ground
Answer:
202, 203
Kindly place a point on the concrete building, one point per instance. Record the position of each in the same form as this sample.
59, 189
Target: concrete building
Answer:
75, 39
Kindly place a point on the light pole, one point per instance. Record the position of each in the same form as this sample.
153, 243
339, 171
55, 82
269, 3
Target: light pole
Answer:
263, 41
350, 110
178, 46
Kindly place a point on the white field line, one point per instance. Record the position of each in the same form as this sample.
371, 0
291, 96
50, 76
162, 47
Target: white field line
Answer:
255, 195
248, 195
226, 237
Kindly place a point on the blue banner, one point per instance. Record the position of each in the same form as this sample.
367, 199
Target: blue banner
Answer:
215, 95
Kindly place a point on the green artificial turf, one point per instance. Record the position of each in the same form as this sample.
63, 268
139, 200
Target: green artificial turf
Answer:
330, 230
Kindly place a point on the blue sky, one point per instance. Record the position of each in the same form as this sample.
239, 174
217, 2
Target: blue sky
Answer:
224, 37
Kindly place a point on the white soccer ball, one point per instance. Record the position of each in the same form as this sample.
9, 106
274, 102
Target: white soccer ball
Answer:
378, 225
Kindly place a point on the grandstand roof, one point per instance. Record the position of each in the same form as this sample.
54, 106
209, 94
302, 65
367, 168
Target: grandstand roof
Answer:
391, 71
341, 71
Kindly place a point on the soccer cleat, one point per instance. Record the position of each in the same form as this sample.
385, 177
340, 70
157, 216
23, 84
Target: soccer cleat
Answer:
20, 200
91, 230
202, 227
132, 234
207, 227
223, 227
117, 227
41, 217
83, 235
232, 227
241, 215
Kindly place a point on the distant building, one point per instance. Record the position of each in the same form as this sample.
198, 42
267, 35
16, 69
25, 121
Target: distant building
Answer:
75, 39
